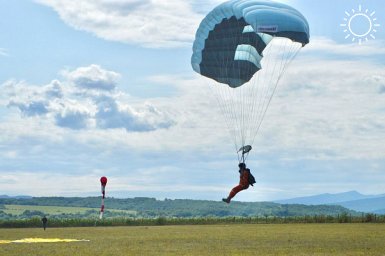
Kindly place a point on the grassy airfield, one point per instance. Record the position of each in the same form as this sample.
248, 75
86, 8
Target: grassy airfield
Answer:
259, 239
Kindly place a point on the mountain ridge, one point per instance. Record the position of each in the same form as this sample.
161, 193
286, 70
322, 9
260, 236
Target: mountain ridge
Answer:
352, 200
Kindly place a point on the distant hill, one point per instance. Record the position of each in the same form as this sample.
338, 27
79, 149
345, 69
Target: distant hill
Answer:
372, 205
150, 207
352, 200
327, 198
380, 211
16, 197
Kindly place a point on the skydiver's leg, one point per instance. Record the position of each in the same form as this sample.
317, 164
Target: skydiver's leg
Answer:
233, 192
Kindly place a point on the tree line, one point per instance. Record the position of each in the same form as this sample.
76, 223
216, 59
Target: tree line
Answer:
178, 208
35, 222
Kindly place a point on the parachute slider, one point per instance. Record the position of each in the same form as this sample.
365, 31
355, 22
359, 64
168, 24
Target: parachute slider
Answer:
245, 149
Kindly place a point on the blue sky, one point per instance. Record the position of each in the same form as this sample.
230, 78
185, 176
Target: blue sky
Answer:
91, 88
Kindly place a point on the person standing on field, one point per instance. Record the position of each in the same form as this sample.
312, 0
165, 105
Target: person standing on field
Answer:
44, 220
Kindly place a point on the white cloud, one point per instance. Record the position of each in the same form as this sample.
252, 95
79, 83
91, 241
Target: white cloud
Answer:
93, 77
320, 111
329, 106
87, 99
111, 114
149, 23
34, 108
327, 47
43, 184
155, 23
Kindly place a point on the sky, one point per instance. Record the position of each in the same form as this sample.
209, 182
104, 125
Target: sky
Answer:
105, 88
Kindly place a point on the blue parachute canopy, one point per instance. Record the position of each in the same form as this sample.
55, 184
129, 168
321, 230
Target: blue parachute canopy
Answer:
230, 40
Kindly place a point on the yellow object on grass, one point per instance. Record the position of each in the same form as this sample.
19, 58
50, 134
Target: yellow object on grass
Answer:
42, 240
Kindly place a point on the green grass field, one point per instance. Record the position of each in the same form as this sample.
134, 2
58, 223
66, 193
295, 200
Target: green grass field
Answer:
260, 239
19, 209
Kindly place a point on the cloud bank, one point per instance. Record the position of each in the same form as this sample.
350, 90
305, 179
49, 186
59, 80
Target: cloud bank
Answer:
86, 99
150, 23
323, 131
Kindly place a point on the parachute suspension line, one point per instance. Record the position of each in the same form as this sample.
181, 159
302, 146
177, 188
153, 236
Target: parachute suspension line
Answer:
267, 94
244, 104
247, 66
243, 158
253, 100
285, 62
232, 115
254, 89
245, 153
226, 97
257, 88
247, 112
221, 100
271, 77
234, 94
237, 100
223, 106
239, 107
267, 84
244, 108
260, 86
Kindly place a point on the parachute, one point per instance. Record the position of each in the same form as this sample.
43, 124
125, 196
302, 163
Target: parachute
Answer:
245, 46
103, 183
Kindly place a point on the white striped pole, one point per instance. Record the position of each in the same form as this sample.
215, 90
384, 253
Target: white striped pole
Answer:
103, 181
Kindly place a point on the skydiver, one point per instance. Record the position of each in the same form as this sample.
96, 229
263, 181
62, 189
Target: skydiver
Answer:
243, 182
44, 220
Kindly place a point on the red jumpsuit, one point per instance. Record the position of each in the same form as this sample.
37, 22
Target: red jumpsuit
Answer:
243, 184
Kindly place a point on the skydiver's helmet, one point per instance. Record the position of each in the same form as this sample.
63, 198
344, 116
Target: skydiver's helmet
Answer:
242, 165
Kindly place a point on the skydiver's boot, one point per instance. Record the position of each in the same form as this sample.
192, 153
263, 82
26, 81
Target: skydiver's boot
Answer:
226, 200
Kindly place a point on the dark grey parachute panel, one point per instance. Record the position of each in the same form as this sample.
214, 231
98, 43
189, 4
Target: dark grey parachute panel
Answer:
219, 53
